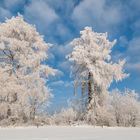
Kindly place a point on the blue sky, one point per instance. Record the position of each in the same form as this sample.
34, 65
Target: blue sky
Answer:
60, 21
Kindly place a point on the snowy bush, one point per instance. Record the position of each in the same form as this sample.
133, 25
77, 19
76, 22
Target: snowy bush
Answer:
120, 109
125, 107
65, 117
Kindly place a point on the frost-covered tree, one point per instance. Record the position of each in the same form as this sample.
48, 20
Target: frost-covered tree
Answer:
23, 74
92, 65
125, 107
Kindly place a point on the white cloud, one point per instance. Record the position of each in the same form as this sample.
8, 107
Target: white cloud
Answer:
123, 41
59, 73
135, 27
134, 47
136, 5
133, 55
97, 13
4, 13
39, 13
57, 83
66, 6
62, 50
59, 53
64, 65
134, 67
63, 31
12, 3
61, 83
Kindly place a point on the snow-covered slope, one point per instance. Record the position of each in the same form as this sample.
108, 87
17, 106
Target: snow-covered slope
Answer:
69, 133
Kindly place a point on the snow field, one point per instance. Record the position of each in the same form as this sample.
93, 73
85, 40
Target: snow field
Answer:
69, 133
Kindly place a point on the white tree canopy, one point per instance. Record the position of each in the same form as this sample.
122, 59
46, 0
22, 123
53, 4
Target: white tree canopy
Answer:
91, 53
22, 71
91, 58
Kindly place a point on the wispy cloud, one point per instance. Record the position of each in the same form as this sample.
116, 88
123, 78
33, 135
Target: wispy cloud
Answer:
9, 4
99, 14
39, 13
134, 67
4, 13
61, 84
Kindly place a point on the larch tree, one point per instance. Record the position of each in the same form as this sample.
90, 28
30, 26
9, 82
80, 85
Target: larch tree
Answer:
23, 74
92, 66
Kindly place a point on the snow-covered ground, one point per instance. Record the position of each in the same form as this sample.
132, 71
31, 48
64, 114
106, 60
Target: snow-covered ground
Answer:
69, 133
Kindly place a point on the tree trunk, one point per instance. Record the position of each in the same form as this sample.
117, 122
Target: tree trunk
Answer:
9, 112
32, 113
83, 91
92, 93
89, 87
